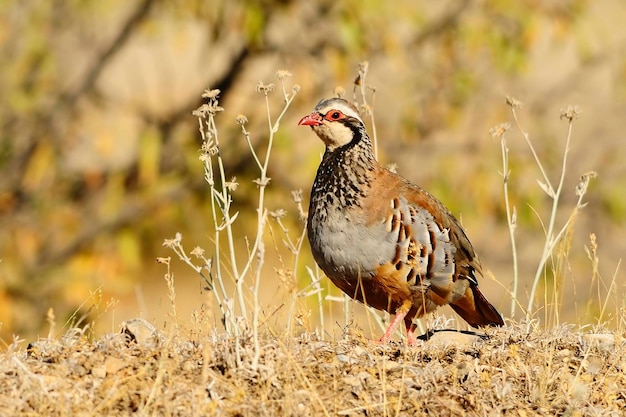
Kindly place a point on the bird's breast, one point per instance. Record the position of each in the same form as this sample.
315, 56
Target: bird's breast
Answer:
342, 245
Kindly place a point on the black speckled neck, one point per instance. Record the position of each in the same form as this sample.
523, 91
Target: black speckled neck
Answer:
344, 175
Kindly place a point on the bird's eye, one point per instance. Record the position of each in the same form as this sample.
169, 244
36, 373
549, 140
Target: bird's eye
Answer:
335, 115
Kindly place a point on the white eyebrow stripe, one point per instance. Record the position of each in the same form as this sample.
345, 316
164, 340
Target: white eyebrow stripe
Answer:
347, 110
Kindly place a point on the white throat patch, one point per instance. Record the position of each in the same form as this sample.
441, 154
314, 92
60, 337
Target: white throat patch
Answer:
335, 133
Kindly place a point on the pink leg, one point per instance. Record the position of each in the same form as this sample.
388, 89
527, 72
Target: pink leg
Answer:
410, 332
401, 313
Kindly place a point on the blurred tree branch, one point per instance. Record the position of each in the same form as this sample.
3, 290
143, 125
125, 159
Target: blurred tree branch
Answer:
134, 207
443, 23
85, 197
47, 122
117, 43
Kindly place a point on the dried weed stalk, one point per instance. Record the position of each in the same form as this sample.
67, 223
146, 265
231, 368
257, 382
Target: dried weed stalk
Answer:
217, 267
556, 242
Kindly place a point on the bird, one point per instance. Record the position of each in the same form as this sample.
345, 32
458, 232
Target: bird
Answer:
383, 240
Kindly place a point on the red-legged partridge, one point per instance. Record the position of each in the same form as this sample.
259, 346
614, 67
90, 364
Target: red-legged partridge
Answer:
382, 240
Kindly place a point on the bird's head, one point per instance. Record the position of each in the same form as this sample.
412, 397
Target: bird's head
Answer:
336, 121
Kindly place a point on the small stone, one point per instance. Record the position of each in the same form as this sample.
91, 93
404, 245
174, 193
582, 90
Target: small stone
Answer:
99, 372
451, 338
142, 332
604, 342
113, 365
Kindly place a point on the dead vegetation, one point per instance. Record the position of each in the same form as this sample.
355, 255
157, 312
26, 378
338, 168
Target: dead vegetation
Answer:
561, 371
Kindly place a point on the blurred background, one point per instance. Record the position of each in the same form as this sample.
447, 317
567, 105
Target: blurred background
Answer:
99, 149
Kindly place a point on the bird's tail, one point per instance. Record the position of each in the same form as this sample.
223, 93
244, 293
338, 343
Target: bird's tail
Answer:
474, 308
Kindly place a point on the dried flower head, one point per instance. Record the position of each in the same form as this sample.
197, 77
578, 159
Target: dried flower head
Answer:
583, 184
173, 242
165, 260
360, 78
211, 94
170, 243
241, 119
198, 252
264, 88
232, 184
297, 196
282, 74
262, 182
278, 214
513, 102
206, 109
365, 109
199, 112
570, 112
209, 148
499, 130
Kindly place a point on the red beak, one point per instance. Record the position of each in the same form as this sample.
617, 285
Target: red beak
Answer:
313, 119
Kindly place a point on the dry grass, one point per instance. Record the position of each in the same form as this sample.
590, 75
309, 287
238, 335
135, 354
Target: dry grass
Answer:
560, 371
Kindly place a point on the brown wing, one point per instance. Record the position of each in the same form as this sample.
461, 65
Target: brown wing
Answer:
434, 255
465, 257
